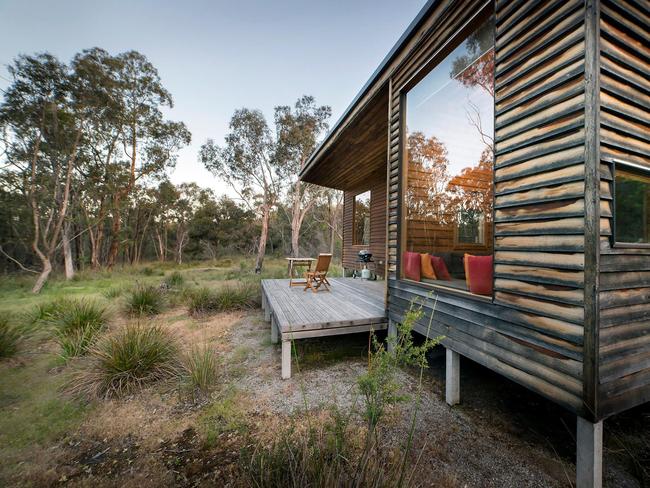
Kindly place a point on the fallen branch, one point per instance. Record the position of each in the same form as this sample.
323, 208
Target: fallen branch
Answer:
20, 265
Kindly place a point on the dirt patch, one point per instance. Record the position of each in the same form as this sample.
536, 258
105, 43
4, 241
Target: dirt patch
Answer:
192, 464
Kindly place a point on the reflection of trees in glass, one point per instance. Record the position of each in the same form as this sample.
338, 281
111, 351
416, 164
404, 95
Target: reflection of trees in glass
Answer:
476, 67
446, 207
434, 195
632, 207
472, 199
428, 176
361, 234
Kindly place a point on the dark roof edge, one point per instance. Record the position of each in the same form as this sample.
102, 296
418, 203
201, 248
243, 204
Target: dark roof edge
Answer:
413, 26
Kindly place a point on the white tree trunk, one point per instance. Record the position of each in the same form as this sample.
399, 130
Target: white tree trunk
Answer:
67, 252
261, 250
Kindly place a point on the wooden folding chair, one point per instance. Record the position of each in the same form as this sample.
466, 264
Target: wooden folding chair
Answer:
318, 277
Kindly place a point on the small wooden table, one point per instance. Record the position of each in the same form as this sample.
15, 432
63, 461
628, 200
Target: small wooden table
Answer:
293, 263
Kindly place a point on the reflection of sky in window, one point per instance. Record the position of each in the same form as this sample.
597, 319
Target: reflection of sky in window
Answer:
441, 106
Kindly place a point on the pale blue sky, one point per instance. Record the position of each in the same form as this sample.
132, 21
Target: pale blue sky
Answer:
218, 56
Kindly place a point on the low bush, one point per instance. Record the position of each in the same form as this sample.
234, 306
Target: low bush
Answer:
145, 300
78, 326
174, 280
113, 292
11, 336
48, 311
147, 271
241, 296
127, 361
327, 453
200, 364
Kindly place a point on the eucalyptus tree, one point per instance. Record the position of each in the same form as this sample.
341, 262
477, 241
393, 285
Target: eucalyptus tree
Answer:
297, 132
149, 143
247, 163
101, 171
42, 115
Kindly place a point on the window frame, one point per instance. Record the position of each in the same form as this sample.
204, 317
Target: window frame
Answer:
481, 16
629, 168
484, 237
354, 217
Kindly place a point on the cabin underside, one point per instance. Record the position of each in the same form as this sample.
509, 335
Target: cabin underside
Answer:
560, 308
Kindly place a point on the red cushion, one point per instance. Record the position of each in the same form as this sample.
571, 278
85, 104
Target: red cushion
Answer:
478, 270
440, 268
411, 265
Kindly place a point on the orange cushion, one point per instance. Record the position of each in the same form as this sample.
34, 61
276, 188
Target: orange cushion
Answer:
478, 274
426, 267
411, 265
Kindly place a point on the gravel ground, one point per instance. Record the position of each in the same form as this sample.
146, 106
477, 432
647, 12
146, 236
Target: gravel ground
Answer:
501, 435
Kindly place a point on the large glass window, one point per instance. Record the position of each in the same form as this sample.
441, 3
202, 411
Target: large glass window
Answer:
361, 234
449, 154
632, 193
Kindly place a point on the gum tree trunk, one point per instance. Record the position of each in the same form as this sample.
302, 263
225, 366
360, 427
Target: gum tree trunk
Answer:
261, 250
67, 252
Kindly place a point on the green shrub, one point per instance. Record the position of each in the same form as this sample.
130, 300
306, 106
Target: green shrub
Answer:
48, 311
113, 292
11, 336
77, 327
242, 296
147, 271
127, 361
145, 300
332, 454
200, 365
175, 280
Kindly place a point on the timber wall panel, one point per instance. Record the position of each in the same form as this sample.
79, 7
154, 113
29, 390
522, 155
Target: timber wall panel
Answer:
533, 331
377, 187
624, 349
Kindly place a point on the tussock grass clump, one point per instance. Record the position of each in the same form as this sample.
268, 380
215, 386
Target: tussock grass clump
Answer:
200, 364
126, 362
145, 300
48, 311
113, 292
77, 327
11, 335
175, 280
242, 296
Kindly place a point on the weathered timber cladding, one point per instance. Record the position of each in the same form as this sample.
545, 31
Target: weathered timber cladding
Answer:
377, 187
624, 347
533, 331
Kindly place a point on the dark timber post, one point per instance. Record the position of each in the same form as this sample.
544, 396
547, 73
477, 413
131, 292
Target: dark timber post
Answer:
589, 438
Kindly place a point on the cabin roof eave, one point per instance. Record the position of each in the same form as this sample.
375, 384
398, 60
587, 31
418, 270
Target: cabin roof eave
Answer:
347, 116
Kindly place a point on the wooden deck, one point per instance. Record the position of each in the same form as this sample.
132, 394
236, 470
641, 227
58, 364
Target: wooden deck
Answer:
351, 306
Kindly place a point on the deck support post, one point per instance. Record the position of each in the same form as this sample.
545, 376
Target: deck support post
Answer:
275, 335
392, 335
589, 456
452, 378
266, 307
286, 359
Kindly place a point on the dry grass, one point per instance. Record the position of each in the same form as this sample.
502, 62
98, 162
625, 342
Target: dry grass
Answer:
127, 361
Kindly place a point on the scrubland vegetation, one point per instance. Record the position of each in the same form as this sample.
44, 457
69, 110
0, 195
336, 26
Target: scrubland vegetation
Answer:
164, 375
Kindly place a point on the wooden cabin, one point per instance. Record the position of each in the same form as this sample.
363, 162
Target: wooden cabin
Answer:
510, 142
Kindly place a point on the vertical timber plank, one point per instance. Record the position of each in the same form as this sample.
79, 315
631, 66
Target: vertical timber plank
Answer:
592, 209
